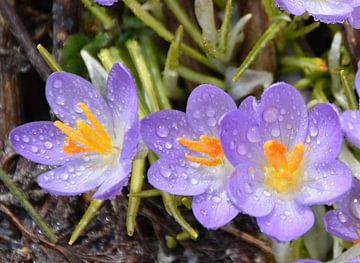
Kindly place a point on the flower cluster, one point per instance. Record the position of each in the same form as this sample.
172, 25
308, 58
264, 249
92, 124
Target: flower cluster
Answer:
328, 11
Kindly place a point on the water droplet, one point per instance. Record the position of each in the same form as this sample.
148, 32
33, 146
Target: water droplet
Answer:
57, 84
210, 112
282, 111
165, 172
203, 212
48, 145
248, 189
194, 181
77, 109
270, 115
168, 145
342, 217
313, 131
241, 149
216, 199
34, 149
25, 138
211, 122
267, 193
60, 100
65, 176
275, 132
235, 132
16, 137
289, 126
232, 145
162, 131
355, 207
253, 135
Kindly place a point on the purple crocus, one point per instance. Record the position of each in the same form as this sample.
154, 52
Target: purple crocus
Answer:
350, 119
106, 2
328, 11
94, 140
192, 161
344, 221
285, 160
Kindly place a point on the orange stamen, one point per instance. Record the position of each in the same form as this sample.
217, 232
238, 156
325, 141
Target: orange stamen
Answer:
208, 145
275, 152
93, 138
357, 241
296, 157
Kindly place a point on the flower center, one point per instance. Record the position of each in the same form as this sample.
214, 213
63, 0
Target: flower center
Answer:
207, 145
281, 172
85, 137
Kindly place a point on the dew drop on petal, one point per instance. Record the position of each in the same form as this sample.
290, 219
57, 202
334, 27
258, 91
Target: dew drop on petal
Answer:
60, 100
57, 84
162, 131
168, 145
355, 207
313, 131
211, 122
210, 112
203, 212
275, 132
16, 137
48, 145
270, 114
77, 109
253, 135
194, 181
266, 193
241, 149
342, 217
216, 199
165, 172
34, 149
248, 189
25, 138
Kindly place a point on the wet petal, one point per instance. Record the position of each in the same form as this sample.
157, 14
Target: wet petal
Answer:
246, 190
350, 123
241, 139
178, 176
160, 130
106, 2
40, 142
283, 114
213, 210
73, 178
206, 105
324, 182
307, 261
329, 11
293, 7
287, 221
249, 106
324, 134
115, 179
354, 19
341, 225
65, 90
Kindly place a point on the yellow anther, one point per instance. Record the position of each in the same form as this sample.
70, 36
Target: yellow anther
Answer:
296, 157
275, 152
207, 145
85, 138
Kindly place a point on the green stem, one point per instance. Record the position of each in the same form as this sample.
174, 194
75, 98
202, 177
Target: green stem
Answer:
168, 200
144, 73
348, 90
225, 27
155, 25
197, 77
269, 35
136, 183
303, 31
146, 193
91, 211
151, 56
184, 20
20, 196
49, 58
100, 13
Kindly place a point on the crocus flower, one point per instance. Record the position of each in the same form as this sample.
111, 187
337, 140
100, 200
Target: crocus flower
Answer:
344, 221
192, 162
285, 160
328, 11
350, 119
94, 140
106, 2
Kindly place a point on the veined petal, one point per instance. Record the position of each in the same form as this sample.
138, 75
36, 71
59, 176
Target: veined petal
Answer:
179, 176
241, 139
249, 106
205, 107
329, 11
64, 92
287, 221
324, 138
41, 142
350, 123
160, 131
324, 182
247, 191
283, 115
213, 210
341, 225
73, 178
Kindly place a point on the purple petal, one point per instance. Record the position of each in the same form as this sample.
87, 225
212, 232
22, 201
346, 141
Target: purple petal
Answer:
292, 7
324, 182
160, 130
249, 106
341, 225
350, 123
283, 114
287, 221
357, 78
40, 142
354, 19
205, 107
73, 178
213, 210
241, 139
179, 176
121, 92
307, 261
115, 179
106, 2
324, 138
64, 91
329, 11
247, 192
